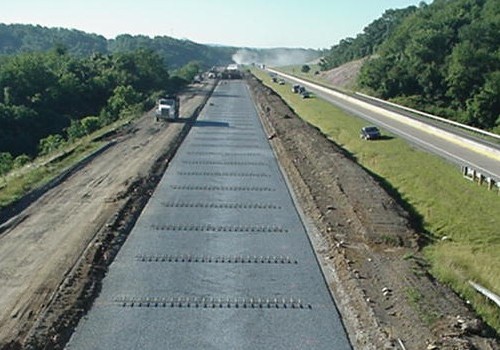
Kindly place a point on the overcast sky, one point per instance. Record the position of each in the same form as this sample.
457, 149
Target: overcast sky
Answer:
243, 23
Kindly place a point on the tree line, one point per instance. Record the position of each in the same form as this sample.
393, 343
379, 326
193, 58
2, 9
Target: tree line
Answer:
19, 38
57, 84
443, 58
47, 99
367, 42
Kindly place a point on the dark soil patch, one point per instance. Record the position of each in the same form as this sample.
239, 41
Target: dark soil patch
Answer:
367, 242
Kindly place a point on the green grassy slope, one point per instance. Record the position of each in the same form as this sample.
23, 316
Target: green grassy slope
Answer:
449, 205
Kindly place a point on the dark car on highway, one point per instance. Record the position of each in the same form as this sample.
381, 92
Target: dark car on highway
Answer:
370, 133
305, 94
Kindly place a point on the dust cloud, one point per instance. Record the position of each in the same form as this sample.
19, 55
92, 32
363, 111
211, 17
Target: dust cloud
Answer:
275, 57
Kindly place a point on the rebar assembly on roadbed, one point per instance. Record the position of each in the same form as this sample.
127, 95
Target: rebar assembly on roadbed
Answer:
219, 258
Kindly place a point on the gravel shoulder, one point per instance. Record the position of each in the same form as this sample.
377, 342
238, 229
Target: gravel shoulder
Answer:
367, 244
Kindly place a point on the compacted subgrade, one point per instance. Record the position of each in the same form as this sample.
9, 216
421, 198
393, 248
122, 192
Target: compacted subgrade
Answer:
82, 283
219, 258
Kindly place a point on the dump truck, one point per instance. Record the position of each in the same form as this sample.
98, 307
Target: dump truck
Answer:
168, 108
231, 72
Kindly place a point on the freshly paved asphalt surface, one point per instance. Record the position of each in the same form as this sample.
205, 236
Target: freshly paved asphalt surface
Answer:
219, 258
456, 152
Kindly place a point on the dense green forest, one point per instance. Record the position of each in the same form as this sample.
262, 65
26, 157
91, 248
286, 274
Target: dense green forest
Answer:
175, 52
18, 38
365, 43
443, 58
49, 98
58, 84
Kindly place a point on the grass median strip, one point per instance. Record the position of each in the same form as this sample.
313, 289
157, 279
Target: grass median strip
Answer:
461, 212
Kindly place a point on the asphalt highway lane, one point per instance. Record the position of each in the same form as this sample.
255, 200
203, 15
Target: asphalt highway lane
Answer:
455, 150
219, 258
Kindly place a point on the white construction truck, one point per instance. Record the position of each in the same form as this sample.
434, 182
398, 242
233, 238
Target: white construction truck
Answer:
168, 108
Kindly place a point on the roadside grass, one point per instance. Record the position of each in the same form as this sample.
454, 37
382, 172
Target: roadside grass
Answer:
43, 169
17, 186
432, 189
318, 79
297, 70
315, 78
415, 298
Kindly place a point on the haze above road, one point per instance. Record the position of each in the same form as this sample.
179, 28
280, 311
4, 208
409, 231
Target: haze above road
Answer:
257, 23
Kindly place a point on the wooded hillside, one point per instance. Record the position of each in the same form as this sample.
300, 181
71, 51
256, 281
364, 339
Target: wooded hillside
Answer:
18, 38
58, 84
49, 98
443, 58
367, 42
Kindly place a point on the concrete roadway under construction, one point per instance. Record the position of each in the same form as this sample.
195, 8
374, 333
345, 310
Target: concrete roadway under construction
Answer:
219, 258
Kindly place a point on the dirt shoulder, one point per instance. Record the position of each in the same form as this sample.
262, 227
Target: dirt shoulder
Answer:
53, 255
367, 245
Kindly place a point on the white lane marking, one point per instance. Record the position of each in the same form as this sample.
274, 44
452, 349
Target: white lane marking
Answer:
427, 144
450, 137
431, 116
409, 136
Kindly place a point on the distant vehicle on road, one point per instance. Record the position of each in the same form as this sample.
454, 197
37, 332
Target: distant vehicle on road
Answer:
305, 94
168, 108
370, 133
296, 88
231, 72
281, 82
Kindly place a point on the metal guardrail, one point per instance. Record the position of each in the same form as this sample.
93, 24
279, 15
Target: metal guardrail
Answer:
395, 105
475, 176
487, 293
431, 116
408, 109
480, 175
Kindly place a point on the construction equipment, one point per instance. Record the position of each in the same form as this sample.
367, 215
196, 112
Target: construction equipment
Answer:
231, 72
168, 108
